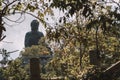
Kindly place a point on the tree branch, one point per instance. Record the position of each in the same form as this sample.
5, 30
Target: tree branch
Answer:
7, 5
2, 38
16, 21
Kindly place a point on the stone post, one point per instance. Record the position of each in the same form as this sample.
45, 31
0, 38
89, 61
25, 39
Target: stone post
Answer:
35, 69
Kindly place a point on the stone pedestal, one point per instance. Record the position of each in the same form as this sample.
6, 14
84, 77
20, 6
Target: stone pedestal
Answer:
34, 69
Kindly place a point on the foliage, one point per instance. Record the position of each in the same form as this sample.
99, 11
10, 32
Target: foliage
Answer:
37, 50
74, 5
15, 71
95, 27
66, 61
66, 65
92, 13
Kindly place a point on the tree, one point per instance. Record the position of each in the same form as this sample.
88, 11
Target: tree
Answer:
5, 56
16, 71
67, 54
92, 18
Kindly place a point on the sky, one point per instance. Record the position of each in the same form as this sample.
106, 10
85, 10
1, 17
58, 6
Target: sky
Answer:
15, 34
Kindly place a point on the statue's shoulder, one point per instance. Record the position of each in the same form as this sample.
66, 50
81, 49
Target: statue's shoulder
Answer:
40, 33
28, 33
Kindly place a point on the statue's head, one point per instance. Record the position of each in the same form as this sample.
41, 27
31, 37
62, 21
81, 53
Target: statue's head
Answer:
34, 25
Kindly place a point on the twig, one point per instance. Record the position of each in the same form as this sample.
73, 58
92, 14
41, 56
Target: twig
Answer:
16, 21
2, 38
7, 42
12, 51
5, 8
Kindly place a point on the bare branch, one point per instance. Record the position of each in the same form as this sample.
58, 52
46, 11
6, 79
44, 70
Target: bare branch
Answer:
2, 38
34, 16
12, 51
24, 12
7, 42
4, 3
7, 5
16, 21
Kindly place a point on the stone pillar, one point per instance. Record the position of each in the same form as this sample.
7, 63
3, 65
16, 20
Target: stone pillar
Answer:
35, 69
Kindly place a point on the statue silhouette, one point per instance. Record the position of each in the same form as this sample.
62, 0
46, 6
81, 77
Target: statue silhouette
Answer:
33, 37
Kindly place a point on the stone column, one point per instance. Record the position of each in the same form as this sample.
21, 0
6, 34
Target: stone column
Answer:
35, 69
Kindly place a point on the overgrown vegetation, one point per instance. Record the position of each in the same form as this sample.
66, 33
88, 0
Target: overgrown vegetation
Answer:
94, 27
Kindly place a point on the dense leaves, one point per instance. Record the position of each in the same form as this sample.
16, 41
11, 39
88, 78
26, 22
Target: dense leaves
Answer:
73, 5
15, 71
76, 45
37, 51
